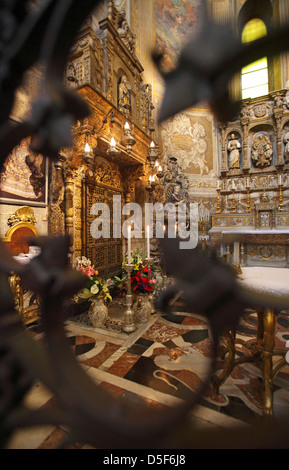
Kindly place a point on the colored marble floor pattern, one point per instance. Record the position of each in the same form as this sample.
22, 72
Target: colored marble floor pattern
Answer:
158, 364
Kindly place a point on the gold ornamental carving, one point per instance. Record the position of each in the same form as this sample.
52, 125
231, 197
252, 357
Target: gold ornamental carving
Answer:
130, 175
108, 174
24, 214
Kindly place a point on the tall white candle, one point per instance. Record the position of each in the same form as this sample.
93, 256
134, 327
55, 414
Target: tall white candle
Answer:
148, 242
129, 245
279, 180
233, 185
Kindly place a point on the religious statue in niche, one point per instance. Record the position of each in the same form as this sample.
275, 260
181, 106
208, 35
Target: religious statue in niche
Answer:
234, 149
124, 95
286, 143
262, 151
72, 81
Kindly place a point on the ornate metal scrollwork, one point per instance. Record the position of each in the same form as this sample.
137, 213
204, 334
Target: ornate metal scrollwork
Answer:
46, 34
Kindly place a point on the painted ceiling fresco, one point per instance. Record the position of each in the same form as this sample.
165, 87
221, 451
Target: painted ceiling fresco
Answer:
175, 21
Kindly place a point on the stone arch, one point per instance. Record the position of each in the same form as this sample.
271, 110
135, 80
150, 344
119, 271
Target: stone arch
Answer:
261, 9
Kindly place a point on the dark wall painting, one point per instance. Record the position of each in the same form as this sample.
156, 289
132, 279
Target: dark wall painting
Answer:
24, 179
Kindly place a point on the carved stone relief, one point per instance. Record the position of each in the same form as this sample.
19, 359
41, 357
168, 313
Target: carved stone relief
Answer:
126, 35
188, 141
262, 151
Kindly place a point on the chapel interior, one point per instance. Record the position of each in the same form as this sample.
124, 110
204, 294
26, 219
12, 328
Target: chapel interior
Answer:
233, 174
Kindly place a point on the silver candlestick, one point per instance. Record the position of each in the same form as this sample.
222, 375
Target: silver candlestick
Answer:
149, 261
128, 325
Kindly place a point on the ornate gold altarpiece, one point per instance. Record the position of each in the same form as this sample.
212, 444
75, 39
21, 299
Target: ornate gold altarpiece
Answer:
105, 71
253, 190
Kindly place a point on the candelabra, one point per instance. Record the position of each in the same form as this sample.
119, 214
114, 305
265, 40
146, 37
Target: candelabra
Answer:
280, 206
218, 210
88, 151
152, 155
128, 325
248, 209
112, 150
160, 172
128, 139
151, 186
233, 208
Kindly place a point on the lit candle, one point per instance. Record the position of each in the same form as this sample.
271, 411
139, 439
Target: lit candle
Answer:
126, 126
160, 168
156, 163
148, 241
112, 143
129, 245
152, 144
87, 148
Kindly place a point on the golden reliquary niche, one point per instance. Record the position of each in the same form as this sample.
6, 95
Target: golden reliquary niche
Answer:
19, 241
253, 188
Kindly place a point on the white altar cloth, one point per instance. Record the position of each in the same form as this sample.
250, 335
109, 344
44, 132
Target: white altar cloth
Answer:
267, 280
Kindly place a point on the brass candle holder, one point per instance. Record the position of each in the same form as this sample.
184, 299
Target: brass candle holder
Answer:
128, 324
219, 209
248, 209
233, 208
280, 206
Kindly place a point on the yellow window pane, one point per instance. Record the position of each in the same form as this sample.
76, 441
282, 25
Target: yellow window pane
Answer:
255, 92
255, 75
260, 77
253, 30
257, 65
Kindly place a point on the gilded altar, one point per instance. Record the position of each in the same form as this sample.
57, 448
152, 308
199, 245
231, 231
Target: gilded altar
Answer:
108, 158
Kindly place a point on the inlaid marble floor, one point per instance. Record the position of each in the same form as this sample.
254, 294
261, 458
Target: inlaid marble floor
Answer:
155, 366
